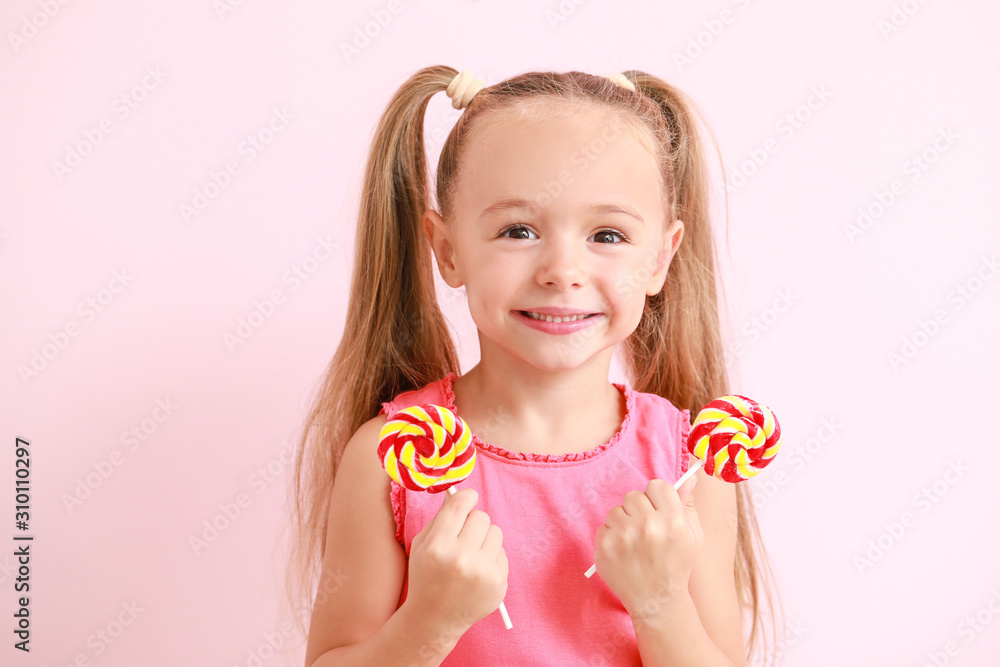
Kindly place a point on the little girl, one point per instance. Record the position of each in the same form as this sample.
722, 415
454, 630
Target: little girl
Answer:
575, 210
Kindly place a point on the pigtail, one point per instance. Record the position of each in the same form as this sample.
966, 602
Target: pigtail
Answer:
394, 323
395, 336
676, 351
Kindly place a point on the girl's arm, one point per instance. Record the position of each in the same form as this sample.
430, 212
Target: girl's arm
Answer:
701, 625
354, 619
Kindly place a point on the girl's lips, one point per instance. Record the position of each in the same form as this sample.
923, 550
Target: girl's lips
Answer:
552, 327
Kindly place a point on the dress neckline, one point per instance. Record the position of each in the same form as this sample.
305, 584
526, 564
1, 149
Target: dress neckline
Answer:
446, 385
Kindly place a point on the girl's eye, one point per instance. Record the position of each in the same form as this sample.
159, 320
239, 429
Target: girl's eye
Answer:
609, 232
513, 228
613, 233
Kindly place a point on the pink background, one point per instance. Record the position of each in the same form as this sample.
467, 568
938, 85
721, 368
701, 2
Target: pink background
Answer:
812, 315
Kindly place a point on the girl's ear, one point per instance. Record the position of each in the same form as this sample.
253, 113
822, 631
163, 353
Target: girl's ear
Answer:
671, 242
444, 251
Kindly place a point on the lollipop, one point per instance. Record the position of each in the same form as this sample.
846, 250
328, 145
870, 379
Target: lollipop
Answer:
733, 437
429, 448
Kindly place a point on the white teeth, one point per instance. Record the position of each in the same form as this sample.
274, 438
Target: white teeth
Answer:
557, 320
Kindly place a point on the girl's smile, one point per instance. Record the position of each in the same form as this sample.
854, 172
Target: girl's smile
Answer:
556, 325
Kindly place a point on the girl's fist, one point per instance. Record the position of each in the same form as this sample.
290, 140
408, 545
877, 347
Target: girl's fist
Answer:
458, 568
646, 548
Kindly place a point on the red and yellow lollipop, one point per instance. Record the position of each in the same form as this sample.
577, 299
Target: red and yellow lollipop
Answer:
734, 437
429, 448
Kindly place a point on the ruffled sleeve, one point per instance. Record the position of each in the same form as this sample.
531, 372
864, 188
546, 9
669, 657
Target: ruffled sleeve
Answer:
397, 494
683, 431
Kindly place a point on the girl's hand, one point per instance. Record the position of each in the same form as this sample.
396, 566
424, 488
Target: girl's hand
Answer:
458, 568
646, 549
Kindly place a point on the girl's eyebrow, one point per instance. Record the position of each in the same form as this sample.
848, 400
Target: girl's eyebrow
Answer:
514, 203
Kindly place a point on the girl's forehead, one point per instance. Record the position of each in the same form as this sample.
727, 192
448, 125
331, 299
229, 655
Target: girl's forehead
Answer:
564, 132
532, 154
558, 185
560, 119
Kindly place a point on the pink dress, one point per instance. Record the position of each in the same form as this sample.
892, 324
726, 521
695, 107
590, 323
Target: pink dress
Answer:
549, 507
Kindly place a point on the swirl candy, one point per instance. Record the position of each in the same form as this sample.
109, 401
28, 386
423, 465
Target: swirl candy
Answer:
735, 437
427, 448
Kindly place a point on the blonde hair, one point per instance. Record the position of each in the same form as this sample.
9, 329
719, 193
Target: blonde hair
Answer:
395, 336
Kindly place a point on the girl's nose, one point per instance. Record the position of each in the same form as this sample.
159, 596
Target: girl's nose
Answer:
562, 263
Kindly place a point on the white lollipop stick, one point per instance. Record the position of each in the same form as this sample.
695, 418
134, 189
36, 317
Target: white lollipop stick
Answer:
677, 485
503, 609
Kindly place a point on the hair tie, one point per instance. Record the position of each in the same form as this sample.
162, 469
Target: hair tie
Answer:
622, 80
463, 88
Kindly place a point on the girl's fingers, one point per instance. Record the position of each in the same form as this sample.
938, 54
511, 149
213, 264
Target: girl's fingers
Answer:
450, 519
636, 503
502, 561
494, 540
617, 516
661, 494
474, 531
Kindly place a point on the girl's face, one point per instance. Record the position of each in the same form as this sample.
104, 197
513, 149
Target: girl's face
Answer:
555, 212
